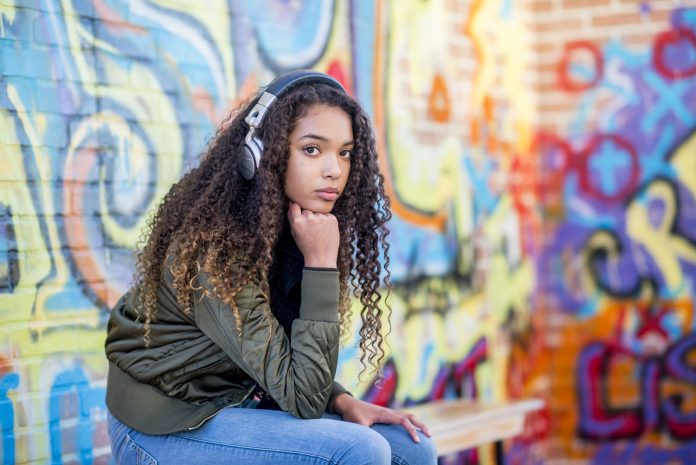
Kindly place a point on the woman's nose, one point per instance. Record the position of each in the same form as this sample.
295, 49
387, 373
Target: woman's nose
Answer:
332, 166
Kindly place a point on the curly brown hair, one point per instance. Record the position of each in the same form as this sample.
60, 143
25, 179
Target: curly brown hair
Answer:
215, 221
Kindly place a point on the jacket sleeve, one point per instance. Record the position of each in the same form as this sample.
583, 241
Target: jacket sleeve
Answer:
299, 374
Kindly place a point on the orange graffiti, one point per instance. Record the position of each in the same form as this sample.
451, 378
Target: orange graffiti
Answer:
79, 167
439, 106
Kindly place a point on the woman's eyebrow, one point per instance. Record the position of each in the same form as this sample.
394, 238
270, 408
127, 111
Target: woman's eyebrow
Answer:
314, 136
322, 139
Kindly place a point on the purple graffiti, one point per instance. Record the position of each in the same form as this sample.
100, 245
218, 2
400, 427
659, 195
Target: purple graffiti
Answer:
599, 420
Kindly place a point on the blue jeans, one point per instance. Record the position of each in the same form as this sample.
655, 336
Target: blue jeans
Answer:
271, 437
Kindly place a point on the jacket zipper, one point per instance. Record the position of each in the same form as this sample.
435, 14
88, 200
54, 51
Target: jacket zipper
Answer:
219, 410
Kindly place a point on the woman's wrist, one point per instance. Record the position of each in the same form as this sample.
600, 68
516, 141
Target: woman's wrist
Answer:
342, 402
320, 262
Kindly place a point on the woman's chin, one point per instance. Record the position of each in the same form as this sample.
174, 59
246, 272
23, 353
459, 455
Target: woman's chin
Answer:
317, 206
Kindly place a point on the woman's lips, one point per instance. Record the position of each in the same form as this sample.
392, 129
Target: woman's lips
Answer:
327, 195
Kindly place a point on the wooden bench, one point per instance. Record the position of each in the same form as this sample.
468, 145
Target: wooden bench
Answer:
462, 424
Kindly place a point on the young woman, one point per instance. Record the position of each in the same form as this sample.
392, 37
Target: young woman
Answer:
225, 349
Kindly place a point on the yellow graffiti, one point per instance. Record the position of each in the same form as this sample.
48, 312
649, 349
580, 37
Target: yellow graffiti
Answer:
508, 287
482, 17
42, 162
425, 168
511, 48
446, 337
41, 344
665, 245
514, 41
9, 12
34, 261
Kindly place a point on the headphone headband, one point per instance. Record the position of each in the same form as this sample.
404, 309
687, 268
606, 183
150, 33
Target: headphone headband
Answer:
280, 86
288, 81
253, 148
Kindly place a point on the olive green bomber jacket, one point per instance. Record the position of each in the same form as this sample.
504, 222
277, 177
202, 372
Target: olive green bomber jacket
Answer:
196, 365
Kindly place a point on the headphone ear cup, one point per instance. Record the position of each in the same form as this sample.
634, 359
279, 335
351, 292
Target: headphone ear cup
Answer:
251, 158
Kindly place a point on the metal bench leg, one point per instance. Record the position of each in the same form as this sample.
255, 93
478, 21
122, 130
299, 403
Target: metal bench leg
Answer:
499, 453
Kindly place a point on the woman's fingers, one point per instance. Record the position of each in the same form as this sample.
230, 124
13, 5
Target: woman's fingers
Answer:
422, 426
316, 234
404, 420
294, 211
406, 423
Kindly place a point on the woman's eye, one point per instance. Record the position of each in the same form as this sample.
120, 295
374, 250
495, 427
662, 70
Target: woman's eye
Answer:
311, 150
346, 154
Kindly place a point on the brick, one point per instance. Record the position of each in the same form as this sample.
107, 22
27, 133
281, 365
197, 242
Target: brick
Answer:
570, 25
26, 61
42, 28
49, 98
20, 29
38, 257
577, 4
25, 454
637, 41
616, 19
541, 47
540, 6
550, 67
80, 7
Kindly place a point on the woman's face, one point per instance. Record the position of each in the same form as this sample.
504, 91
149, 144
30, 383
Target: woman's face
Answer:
320, 149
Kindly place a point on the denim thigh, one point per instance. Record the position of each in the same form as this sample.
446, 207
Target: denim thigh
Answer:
256, 437
403, 450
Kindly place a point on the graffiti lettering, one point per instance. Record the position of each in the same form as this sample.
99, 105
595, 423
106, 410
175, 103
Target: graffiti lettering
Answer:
600, 420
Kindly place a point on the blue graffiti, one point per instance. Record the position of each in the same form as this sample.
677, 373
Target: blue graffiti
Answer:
609, 160
653, 163
633, 452
305, 29
363, 37
89, 398
8, 382
672, 100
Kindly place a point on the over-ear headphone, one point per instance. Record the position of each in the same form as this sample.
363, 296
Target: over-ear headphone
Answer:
253, 147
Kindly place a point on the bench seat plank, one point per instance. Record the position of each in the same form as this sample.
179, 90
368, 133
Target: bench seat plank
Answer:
462, 424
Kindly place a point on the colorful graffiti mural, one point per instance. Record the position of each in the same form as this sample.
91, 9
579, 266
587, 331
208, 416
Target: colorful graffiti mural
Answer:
509, 242
622, 244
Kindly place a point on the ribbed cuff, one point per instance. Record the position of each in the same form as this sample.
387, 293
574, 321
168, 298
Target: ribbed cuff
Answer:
319, 295
316, 268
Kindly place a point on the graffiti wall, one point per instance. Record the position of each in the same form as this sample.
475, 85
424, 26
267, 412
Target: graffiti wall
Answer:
618, 256
541, 160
